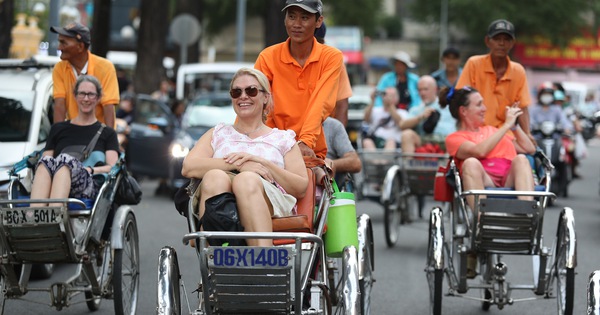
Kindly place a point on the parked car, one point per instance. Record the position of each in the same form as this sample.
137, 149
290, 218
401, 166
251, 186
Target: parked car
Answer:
25, 111
195, 79
25, 118
360, 99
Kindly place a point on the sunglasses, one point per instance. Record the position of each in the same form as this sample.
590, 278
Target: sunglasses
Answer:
251, 91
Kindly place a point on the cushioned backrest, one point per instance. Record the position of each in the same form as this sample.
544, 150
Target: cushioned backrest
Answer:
306, 205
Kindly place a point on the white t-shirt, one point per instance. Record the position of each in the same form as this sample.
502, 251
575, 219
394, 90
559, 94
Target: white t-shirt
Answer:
388, 129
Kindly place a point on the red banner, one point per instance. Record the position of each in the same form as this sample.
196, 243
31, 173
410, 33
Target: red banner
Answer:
581, 53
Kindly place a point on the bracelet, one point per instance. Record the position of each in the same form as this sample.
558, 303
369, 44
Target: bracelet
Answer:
91, 170
299, 141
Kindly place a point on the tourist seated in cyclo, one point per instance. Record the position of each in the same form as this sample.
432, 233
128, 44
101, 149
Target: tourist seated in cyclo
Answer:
263, 167
487, 156
428, 124
382, 123
63, 171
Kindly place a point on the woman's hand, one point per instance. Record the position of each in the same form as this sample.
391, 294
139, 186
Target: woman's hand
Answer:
512, 113
245, 162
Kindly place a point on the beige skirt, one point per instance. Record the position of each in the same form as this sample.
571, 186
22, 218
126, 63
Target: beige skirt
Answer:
283, 204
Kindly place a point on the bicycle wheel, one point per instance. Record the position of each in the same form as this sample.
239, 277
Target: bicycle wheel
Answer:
435, 270
169, 281
348, 288
565, 276
367, 267
392, 212
101, 258
126, 269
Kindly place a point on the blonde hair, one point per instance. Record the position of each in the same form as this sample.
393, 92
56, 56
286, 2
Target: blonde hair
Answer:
262, 81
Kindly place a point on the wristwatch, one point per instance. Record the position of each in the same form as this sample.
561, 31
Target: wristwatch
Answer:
91, 170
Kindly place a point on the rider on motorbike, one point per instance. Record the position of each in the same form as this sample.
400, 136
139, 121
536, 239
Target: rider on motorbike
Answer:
546, 109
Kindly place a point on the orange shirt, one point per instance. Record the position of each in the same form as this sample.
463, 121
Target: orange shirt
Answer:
64, 83
497, 94
344, 88
504, 149
303, 96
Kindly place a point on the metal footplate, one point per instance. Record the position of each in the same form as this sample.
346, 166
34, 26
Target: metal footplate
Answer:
38, 234
250, 279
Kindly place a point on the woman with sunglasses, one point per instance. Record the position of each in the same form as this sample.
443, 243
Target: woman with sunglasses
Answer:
263, 167
59, 174
487, 156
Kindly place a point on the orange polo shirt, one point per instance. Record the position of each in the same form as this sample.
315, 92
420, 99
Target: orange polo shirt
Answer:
344, 88
497, 94
64, 83
303, 96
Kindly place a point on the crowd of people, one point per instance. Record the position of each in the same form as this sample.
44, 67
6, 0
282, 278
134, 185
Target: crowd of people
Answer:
479, 114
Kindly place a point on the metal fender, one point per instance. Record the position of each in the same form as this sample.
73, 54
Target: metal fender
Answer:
168, 280
116, 237
365, 242
437, 237
568, 221
386, 189
593, 294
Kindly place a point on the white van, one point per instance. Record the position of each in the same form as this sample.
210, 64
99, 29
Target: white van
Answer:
197, 78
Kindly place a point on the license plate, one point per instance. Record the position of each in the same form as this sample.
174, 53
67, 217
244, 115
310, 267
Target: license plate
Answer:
264, 257
31, 216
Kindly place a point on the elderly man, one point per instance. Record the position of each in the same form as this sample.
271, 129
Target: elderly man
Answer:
420, 126
74, 43
500, 81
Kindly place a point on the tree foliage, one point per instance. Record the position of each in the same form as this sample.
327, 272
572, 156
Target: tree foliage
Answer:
220, 14
557, 20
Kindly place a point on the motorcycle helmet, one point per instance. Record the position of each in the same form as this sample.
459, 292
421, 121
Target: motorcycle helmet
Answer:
546, 95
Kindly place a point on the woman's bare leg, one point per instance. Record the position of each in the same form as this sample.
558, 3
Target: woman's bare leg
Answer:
61, 185
254, 209
40, 188
474, 177
520, 175
213, 183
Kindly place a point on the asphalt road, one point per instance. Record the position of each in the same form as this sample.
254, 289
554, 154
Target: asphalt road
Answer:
401, 286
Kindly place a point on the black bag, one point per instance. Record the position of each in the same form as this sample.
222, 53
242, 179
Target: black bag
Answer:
181, 199
221, 215
431, 122
129, 191
82, 152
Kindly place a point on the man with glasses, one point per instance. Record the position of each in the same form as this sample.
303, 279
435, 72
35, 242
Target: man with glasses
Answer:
500, 81
304, 76
74, 42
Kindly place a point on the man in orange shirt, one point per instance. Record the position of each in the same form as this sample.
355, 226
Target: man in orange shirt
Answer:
304, 77
500, 81
344, 87
74, 42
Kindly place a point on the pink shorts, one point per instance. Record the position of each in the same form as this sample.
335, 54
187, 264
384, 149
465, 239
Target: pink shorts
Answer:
497, 169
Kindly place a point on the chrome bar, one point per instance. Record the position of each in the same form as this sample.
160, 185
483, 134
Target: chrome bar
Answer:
593, 293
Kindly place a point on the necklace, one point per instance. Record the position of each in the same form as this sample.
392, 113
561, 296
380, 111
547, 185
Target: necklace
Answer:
250, 132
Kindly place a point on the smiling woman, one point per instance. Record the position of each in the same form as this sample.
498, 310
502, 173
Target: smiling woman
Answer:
261, 166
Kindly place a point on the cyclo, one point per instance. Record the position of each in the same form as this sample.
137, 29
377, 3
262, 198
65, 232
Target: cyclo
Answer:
98, 239
500, 225
399, 181
300, 274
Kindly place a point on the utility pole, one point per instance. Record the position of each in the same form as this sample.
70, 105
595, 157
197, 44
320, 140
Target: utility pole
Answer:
240, 26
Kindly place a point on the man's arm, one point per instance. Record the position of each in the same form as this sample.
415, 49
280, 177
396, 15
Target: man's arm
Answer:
109, 115
348, 163
341, 111
60, 110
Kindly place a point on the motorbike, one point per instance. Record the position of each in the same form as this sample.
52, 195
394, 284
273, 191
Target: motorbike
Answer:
589, 124
559, 148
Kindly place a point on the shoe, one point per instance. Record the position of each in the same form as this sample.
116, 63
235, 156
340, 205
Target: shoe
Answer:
471, 265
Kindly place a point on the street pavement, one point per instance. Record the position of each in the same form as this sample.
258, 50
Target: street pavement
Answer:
401, 286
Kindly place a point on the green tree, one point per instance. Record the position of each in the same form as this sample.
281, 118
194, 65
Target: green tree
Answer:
362, 13
557, 20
